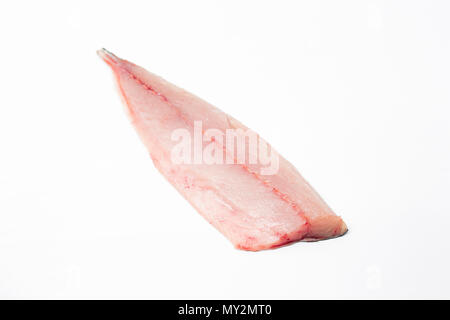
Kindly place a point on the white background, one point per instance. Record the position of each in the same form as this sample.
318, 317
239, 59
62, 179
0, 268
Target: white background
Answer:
354, 93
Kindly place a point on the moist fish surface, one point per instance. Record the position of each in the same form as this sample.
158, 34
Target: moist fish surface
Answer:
252, 208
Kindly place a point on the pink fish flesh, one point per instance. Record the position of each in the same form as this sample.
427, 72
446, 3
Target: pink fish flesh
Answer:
253, 210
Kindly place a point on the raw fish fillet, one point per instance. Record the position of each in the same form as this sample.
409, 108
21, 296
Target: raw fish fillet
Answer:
254, 211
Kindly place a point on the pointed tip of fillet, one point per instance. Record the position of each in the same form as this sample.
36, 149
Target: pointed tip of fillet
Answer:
108, 57
344, 229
